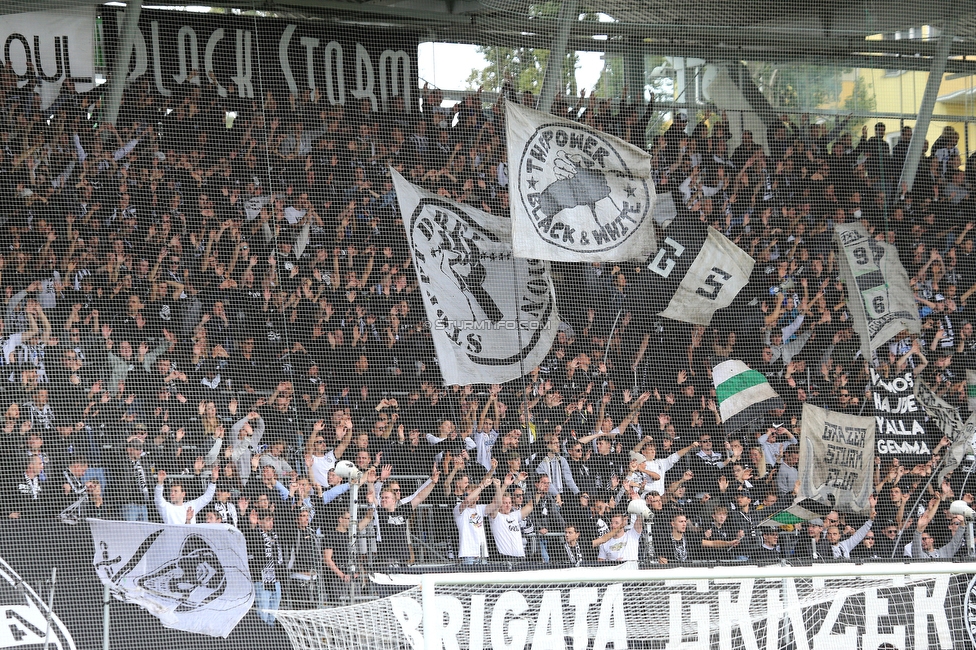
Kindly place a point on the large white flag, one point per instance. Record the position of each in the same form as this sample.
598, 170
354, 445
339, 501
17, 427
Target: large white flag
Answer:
878, 293
696, 271
192, 578
577, 194
837, 458
492, 316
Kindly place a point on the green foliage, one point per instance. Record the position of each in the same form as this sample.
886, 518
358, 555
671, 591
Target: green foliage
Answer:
861, 100
798, 87
526, 67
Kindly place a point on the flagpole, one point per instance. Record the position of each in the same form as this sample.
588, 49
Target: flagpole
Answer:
918, 499
50, 608
106, 600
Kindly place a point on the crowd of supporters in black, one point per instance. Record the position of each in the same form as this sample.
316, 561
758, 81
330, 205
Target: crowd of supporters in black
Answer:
158, 321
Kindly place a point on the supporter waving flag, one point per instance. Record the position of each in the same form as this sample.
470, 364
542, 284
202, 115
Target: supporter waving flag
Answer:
695, 272
879, 295
744, 395
578, 195
492, 317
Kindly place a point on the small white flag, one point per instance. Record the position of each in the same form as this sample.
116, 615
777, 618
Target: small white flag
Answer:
192, 578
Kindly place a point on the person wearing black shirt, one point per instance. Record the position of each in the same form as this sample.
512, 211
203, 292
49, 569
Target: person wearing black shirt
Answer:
336, 552
680, 545
267, 562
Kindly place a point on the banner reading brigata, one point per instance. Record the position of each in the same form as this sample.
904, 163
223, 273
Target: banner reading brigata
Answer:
492, 316
247, 56
879, 295
578, 195
57, 45
837, 458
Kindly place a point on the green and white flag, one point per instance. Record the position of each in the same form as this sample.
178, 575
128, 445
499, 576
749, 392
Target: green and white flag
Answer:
971, 389
802, 510
744, 395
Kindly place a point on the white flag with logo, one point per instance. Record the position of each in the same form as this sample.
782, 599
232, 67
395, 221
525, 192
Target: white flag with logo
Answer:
878, 293
837, 458
577, 194
192, 578
492, 316
696, 271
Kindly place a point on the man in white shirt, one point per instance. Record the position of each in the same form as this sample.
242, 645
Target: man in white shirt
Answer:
620, 544
843, 548
506, 523
654, 468
469, 517
178, 511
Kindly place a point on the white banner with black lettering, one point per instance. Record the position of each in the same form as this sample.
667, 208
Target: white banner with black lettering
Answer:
57, 45
775, 611
879, 295
837, 458
695, 272
492, 316
578, 194
192, 578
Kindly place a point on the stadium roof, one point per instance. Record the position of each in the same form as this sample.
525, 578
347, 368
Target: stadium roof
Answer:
842, 32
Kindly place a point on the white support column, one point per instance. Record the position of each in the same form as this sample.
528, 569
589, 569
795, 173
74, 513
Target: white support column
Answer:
568, 16
914, 154
120, 66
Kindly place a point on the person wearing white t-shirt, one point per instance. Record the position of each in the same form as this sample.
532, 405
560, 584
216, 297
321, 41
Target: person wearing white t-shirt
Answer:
320, 461
506, 523
654, 468
620, 544
178, 511
469, 517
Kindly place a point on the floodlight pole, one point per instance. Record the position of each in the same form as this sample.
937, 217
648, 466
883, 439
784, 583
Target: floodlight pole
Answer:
120, 66
939, 60
568, 16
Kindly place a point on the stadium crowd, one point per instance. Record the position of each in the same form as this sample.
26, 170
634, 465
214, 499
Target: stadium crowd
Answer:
210, 303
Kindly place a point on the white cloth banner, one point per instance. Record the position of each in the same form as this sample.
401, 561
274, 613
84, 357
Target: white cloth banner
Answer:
492, 316
577, 194
878, 293
949, 422
58, 44
837, 458
192, 578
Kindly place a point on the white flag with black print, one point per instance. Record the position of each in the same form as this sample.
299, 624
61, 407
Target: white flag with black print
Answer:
577, 194
695, 272
837, 458
192, 578
492, 316
947, 419
878, 293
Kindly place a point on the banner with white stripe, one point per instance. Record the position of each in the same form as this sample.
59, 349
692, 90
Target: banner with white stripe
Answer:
879, 295
492, 316
578, 194
744, 395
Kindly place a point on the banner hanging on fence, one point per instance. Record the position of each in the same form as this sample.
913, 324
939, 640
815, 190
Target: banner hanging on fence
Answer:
837, 458
46, 48
492, 316
578, 194
845, 612
879, 295
243, 57
192, 578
